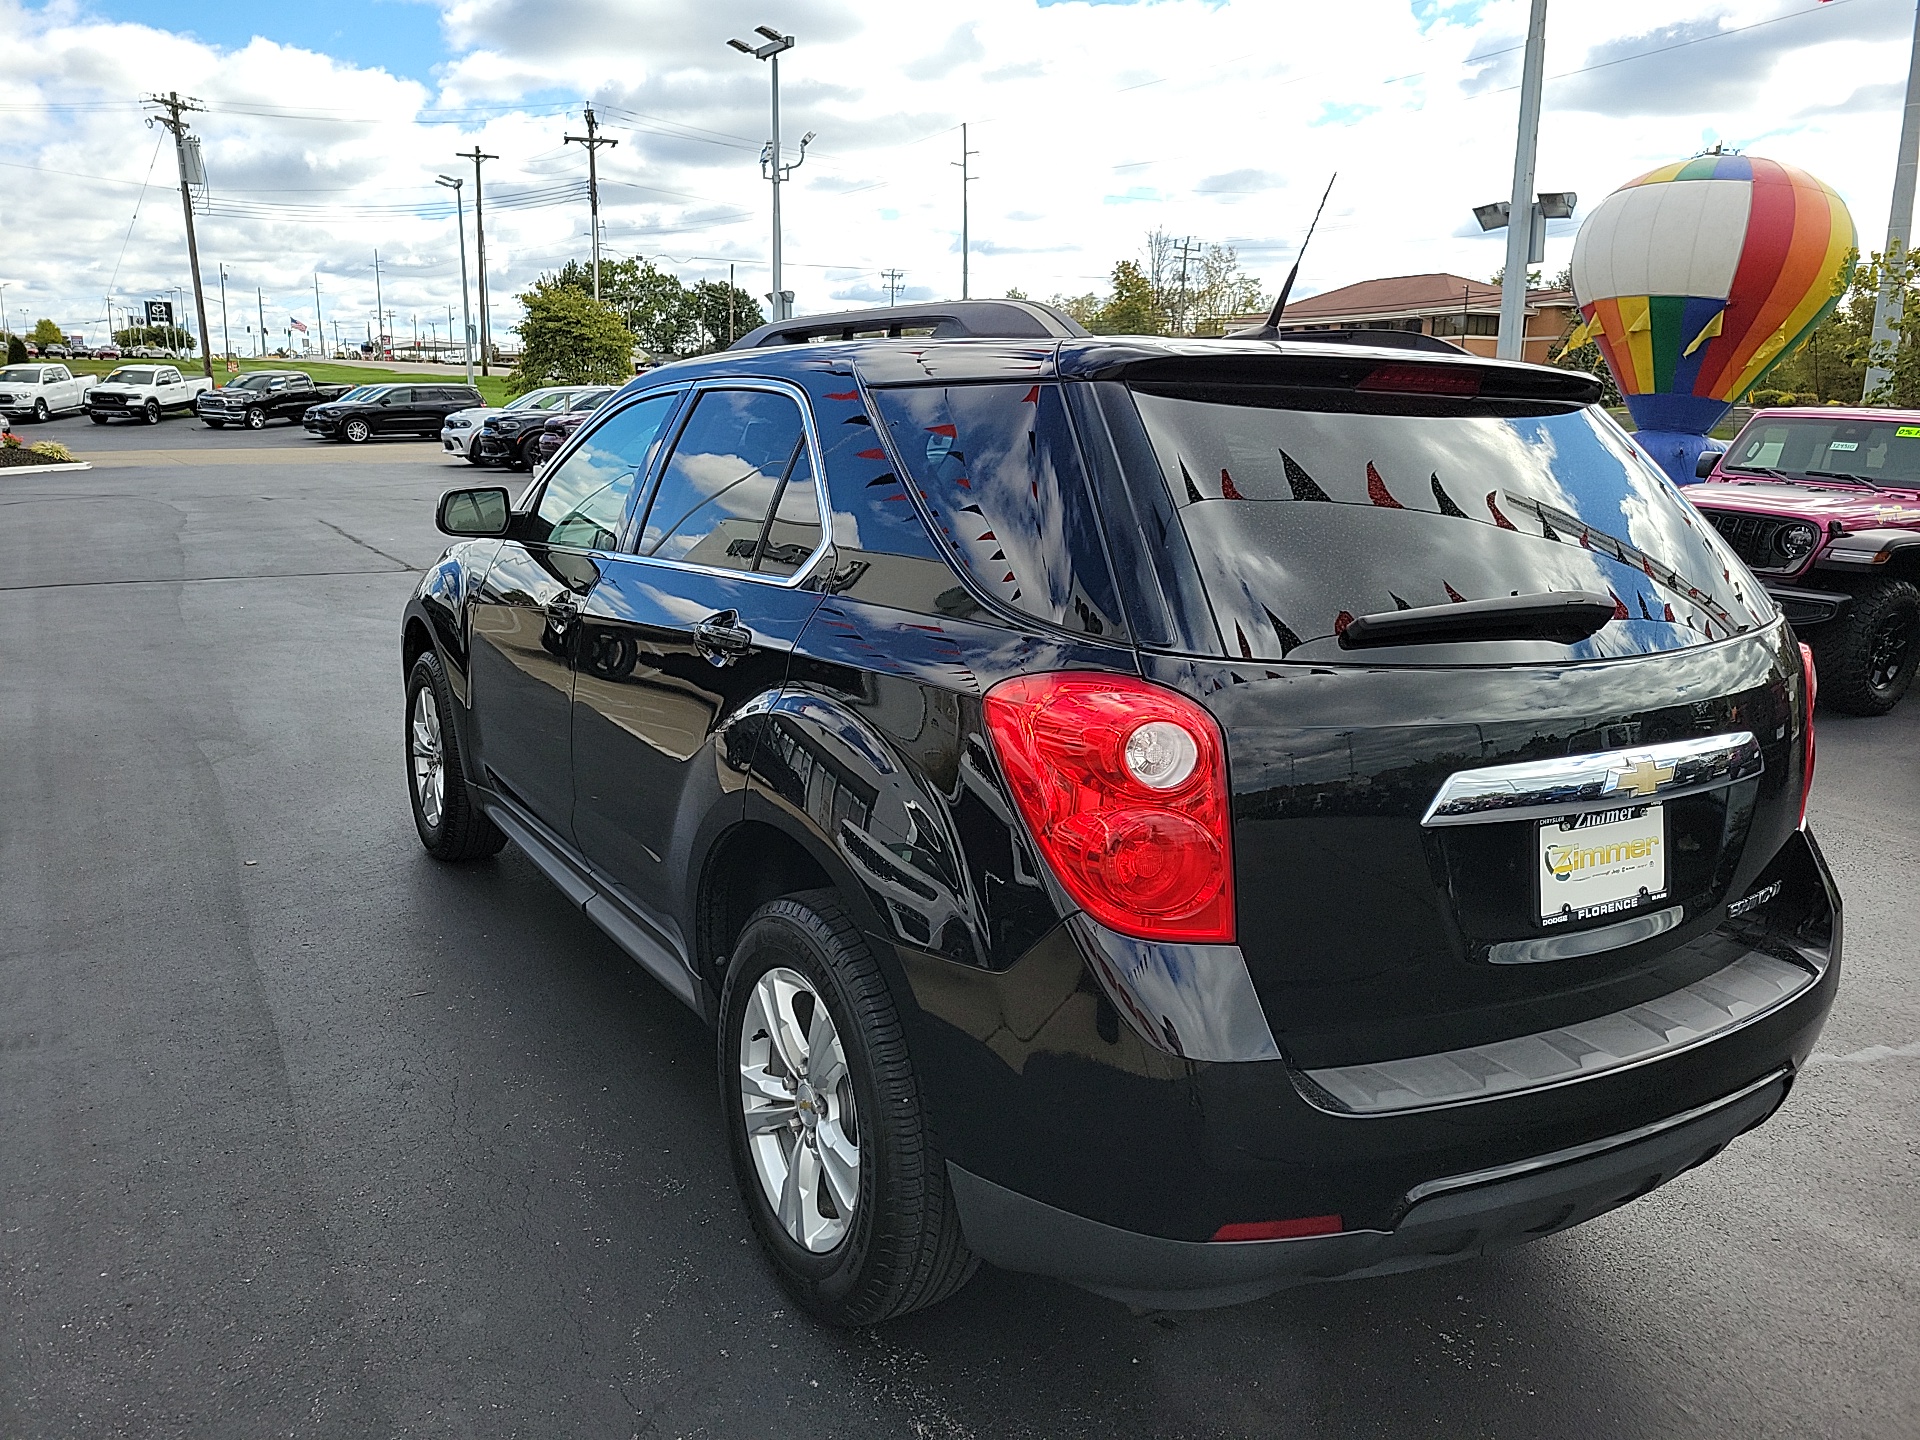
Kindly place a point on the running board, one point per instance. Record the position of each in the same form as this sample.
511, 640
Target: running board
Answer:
584, 889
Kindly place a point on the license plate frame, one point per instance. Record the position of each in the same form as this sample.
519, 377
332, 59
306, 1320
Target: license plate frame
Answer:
1607, 862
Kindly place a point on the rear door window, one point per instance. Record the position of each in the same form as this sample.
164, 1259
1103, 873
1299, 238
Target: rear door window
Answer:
1000, 473
725, 491
1303, 516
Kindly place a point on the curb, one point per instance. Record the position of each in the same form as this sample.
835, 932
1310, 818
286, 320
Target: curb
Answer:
45, 469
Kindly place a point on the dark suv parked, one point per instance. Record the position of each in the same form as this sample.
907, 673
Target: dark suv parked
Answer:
1186, 817
389, 410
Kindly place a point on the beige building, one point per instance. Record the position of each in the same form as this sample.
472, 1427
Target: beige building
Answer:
1466, 312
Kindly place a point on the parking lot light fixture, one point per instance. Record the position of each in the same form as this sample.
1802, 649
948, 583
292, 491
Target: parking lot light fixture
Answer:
770, 163
466, 313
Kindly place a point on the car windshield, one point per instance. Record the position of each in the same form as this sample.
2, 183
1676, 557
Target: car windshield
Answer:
250, 382
131, 375
538, 400
21, 374
593, 400
364, 392
1302, 519
1881, 451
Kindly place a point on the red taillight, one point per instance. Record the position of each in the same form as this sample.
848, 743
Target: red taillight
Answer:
1812, 677
1124, 786
1280, 1229
1422, 380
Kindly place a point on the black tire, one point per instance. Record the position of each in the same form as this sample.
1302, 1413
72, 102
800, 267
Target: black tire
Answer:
256, 418
151, 414
902, 1249
356, 431
1866, 658
216, 424
97, 419
41, 413
461, 831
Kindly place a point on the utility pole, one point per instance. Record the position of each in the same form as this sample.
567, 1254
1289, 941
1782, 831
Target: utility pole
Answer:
187, 155
967, 177
730, 292
319, 325
379, 324
1887, 306
226, 339
259, 299
1520, 214
891, 279
593, 140
1185, 248
480, 245
466, 309
770, 167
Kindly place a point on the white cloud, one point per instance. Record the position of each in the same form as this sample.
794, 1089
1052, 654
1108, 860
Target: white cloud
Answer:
1188, 111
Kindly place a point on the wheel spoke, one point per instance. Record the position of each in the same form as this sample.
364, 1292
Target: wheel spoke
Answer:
840, 1162
765, 1118
823, 1046
799, 1196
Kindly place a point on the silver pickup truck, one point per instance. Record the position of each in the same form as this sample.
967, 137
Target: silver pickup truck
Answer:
143, 392
42, 391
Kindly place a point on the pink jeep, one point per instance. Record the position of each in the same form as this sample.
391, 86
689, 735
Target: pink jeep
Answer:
1824, 506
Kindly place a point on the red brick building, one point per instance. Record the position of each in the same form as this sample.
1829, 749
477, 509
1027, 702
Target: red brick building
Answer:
1467, 312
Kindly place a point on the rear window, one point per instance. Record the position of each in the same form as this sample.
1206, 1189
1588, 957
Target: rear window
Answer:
1877, 451
1302, 519
1001, 477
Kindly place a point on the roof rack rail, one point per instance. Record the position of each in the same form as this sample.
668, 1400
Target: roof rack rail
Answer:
941, 320
1389, 339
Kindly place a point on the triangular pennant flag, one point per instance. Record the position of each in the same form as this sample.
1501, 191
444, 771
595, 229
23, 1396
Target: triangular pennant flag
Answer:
1246, 650
1377, 490
1445, 501
1302, 483
1228, 490
1498, 518
1193, 491
1288, 640
1707, 332
1453, 594
1398, 603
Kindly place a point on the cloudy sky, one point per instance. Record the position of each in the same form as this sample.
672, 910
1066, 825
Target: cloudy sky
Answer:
326, 124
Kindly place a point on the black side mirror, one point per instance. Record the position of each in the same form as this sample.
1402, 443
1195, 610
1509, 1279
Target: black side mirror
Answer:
1703, 467
476, 513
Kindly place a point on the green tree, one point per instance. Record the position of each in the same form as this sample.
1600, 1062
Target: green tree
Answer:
46, 333
16, 349
722, 313
652, 304
569, 338
1132, 308
1902, 354
167, 337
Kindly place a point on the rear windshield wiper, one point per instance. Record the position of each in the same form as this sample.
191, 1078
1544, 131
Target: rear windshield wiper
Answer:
1846, 475
1565, 616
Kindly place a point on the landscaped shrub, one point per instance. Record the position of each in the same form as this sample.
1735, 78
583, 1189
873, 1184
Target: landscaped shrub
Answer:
53, 450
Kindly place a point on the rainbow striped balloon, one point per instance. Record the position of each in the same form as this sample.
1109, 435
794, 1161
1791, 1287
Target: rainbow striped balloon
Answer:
1699, 277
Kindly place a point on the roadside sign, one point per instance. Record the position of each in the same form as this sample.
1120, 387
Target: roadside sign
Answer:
233, 367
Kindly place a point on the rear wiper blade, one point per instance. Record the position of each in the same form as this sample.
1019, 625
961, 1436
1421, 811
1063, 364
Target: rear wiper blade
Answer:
1846, 475
1564, 616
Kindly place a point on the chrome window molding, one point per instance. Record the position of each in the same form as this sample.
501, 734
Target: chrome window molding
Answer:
1751, 988
1566, 785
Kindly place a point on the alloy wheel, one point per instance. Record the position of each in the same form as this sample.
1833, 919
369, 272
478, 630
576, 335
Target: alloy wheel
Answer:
256, 418
40, 411
796, 1099
153, 412
357, 430
1887, 651
429, 759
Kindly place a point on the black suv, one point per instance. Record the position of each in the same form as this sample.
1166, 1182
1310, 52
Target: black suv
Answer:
1186, 817
372, 410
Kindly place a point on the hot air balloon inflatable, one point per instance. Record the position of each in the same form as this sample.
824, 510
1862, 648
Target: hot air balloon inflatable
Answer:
1699, 277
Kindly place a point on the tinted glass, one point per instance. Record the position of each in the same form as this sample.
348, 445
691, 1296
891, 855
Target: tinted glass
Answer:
735, 454
584, 499
793, 532
1000, 472
1302, 519
1882, 451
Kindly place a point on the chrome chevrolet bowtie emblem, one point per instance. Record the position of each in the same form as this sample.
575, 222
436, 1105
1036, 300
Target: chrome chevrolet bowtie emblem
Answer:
1641, 778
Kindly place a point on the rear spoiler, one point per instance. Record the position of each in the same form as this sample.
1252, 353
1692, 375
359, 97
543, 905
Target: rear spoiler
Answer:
1456, 376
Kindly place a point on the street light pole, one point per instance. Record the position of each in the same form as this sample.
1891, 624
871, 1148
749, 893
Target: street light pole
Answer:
1513, 280
967, 177
466, 311
1888, 304
226, 338
770, 165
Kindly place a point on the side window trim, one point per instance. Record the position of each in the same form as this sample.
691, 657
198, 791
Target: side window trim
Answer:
638, 515
642, 485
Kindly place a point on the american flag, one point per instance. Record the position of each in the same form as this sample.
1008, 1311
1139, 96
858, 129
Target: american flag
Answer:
298, 325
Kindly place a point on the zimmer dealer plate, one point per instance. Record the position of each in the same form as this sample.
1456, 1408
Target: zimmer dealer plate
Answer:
1603, 863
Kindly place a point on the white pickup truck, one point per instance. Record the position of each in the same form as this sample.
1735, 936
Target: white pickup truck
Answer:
42, 391
143, 392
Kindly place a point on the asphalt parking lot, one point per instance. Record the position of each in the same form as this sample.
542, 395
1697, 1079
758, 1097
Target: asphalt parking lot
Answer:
304, 1134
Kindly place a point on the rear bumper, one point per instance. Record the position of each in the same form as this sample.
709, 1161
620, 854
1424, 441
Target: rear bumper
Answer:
1451, 1218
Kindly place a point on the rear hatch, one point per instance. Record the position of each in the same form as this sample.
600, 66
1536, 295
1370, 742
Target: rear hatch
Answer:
1380, 919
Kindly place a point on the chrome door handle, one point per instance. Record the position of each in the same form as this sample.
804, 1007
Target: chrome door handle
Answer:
721, 638
563, 610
